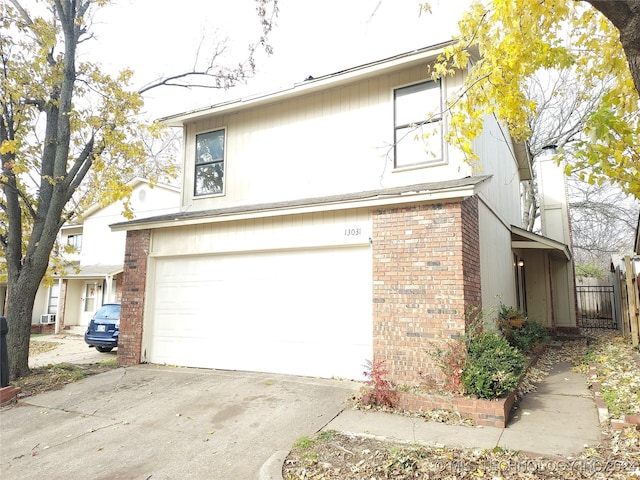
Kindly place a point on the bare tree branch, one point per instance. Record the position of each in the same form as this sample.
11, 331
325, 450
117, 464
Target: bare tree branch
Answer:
219, 76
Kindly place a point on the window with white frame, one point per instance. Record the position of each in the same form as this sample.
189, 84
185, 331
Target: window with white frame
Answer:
209, 170
75, 241
418, 124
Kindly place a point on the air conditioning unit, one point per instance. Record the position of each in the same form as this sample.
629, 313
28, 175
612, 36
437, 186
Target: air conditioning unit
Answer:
48, 318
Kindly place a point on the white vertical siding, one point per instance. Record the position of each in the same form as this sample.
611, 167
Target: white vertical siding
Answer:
496, 264
330, 142
503, 192
538, 280
101, 246
323, 229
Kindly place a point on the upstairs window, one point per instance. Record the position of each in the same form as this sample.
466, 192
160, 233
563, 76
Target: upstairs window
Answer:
209, 173
75, 241
418, 124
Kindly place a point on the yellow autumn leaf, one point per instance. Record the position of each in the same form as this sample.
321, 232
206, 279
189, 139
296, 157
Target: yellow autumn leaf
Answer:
7, 146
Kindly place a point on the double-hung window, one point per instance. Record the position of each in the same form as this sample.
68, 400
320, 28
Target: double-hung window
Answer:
210, 154
418, 124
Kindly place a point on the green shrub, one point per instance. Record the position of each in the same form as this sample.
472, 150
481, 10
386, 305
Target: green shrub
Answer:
525, 337
493, 366
506, 315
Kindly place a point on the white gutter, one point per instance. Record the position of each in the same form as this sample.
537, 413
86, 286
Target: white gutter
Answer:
378, 201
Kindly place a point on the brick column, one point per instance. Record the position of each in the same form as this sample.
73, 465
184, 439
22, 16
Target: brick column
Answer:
421, 284
133, 295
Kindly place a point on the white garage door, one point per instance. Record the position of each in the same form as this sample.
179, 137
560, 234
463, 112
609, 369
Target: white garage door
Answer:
303, 312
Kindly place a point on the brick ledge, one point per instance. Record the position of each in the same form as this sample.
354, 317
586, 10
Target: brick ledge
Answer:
489, 413
8, 394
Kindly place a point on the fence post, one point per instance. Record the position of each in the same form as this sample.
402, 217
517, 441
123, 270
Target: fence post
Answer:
621, 283
632, 298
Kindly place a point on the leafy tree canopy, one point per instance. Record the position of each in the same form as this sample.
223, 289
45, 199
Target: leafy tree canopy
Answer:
505, 42
589, 270
71, 136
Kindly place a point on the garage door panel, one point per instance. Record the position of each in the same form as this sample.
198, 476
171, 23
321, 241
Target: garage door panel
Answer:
297, 312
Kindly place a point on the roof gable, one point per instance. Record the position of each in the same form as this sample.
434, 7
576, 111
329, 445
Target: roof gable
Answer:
135, 183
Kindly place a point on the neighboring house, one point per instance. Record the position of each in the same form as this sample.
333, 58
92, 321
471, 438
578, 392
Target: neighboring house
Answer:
94, 275
319, 230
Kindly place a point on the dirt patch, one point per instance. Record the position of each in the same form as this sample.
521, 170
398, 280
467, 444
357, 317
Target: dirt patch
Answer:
331, 455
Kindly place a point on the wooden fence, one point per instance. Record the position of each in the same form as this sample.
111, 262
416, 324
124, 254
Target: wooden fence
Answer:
626, 284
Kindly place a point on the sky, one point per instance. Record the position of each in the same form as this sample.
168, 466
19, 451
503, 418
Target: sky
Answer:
159, 37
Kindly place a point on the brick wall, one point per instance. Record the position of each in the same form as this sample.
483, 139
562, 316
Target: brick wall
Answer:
426, 272
133, 294
471, 259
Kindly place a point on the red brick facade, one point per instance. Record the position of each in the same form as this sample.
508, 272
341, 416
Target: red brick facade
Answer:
133, 296
426, 278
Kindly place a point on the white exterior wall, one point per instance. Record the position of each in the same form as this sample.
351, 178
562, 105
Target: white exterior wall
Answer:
331, 142
554, 210
101, 246
40, 305
499, 209
502, 193
539, 307
496, 262
323, 229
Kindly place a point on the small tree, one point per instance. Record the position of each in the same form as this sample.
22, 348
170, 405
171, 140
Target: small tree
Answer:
70, 136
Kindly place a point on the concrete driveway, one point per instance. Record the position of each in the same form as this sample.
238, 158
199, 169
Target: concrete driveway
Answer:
152, 422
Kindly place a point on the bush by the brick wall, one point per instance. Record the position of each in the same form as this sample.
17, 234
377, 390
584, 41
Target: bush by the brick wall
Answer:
525, 337
493, 367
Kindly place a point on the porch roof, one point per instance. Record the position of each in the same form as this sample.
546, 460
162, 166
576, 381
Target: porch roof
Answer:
90, 271
521, 238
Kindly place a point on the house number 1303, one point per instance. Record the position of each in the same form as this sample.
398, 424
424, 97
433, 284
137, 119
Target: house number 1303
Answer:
349, 232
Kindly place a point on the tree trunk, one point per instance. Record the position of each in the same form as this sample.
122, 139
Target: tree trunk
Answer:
625, 16
20, 300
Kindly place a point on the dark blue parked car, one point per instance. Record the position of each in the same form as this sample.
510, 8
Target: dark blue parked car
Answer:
103, 329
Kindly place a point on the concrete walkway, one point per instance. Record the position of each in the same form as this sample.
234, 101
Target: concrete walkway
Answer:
71, 349
559, 419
